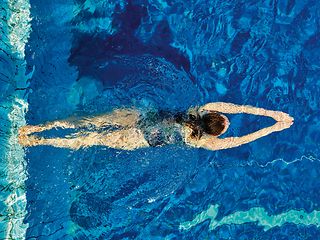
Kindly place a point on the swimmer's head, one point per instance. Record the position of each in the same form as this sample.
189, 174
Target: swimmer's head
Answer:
211, 123
214, 123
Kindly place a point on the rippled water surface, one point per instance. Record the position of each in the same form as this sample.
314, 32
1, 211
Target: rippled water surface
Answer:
88, 56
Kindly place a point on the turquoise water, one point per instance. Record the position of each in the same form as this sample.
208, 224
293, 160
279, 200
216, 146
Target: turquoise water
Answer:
255, 215
15, 28
70, 58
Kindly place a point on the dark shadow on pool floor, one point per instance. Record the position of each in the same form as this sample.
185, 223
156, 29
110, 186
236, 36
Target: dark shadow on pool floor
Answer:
90, 50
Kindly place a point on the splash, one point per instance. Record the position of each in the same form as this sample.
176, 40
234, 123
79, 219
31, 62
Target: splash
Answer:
255, 215
16, 175
15, 26
19, 26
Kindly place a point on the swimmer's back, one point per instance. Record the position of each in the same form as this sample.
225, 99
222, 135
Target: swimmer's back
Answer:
160, 128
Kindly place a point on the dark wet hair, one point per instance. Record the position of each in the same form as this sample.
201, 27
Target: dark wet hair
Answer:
211, 123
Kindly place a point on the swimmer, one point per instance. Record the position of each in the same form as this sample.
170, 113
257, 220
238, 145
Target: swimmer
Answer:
130, 129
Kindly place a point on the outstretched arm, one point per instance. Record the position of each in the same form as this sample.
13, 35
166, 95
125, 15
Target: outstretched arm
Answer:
232, 108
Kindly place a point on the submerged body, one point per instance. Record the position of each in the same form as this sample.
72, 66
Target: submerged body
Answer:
133, 129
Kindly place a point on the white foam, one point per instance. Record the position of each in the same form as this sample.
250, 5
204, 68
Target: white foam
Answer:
18, 30
19, 25
16, 175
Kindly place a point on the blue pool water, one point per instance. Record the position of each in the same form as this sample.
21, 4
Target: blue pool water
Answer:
80, 57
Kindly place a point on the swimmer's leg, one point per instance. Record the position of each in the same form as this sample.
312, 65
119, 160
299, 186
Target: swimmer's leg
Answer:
29, 129
126, 139
119, 117
31, 141
123, 117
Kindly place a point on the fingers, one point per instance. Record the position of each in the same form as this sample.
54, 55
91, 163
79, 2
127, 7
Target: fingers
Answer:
284, 117
290, 119
279, 126
286, 124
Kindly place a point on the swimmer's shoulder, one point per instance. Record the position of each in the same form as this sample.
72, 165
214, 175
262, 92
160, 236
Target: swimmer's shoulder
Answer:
206, 141
186, 133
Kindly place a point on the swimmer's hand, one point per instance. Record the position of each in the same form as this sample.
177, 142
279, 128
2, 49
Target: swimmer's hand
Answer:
279, 116
279, 126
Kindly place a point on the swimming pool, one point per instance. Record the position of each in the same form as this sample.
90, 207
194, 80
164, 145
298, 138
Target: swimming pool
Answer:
66, 58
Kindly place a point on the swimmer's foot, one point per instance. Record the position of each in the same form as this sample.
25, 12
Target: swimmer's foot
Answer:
29, 129
29, 141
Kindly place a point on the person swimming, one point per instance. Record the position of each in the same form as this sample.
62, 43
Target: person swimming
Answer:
130, 129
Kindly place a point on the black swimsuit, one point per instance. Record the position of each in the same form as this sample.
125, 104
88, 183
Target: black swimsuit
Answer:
161, 128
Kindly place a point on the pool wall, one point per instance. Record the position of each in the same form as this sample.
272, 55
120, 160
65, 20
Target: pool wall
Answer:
15, 28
